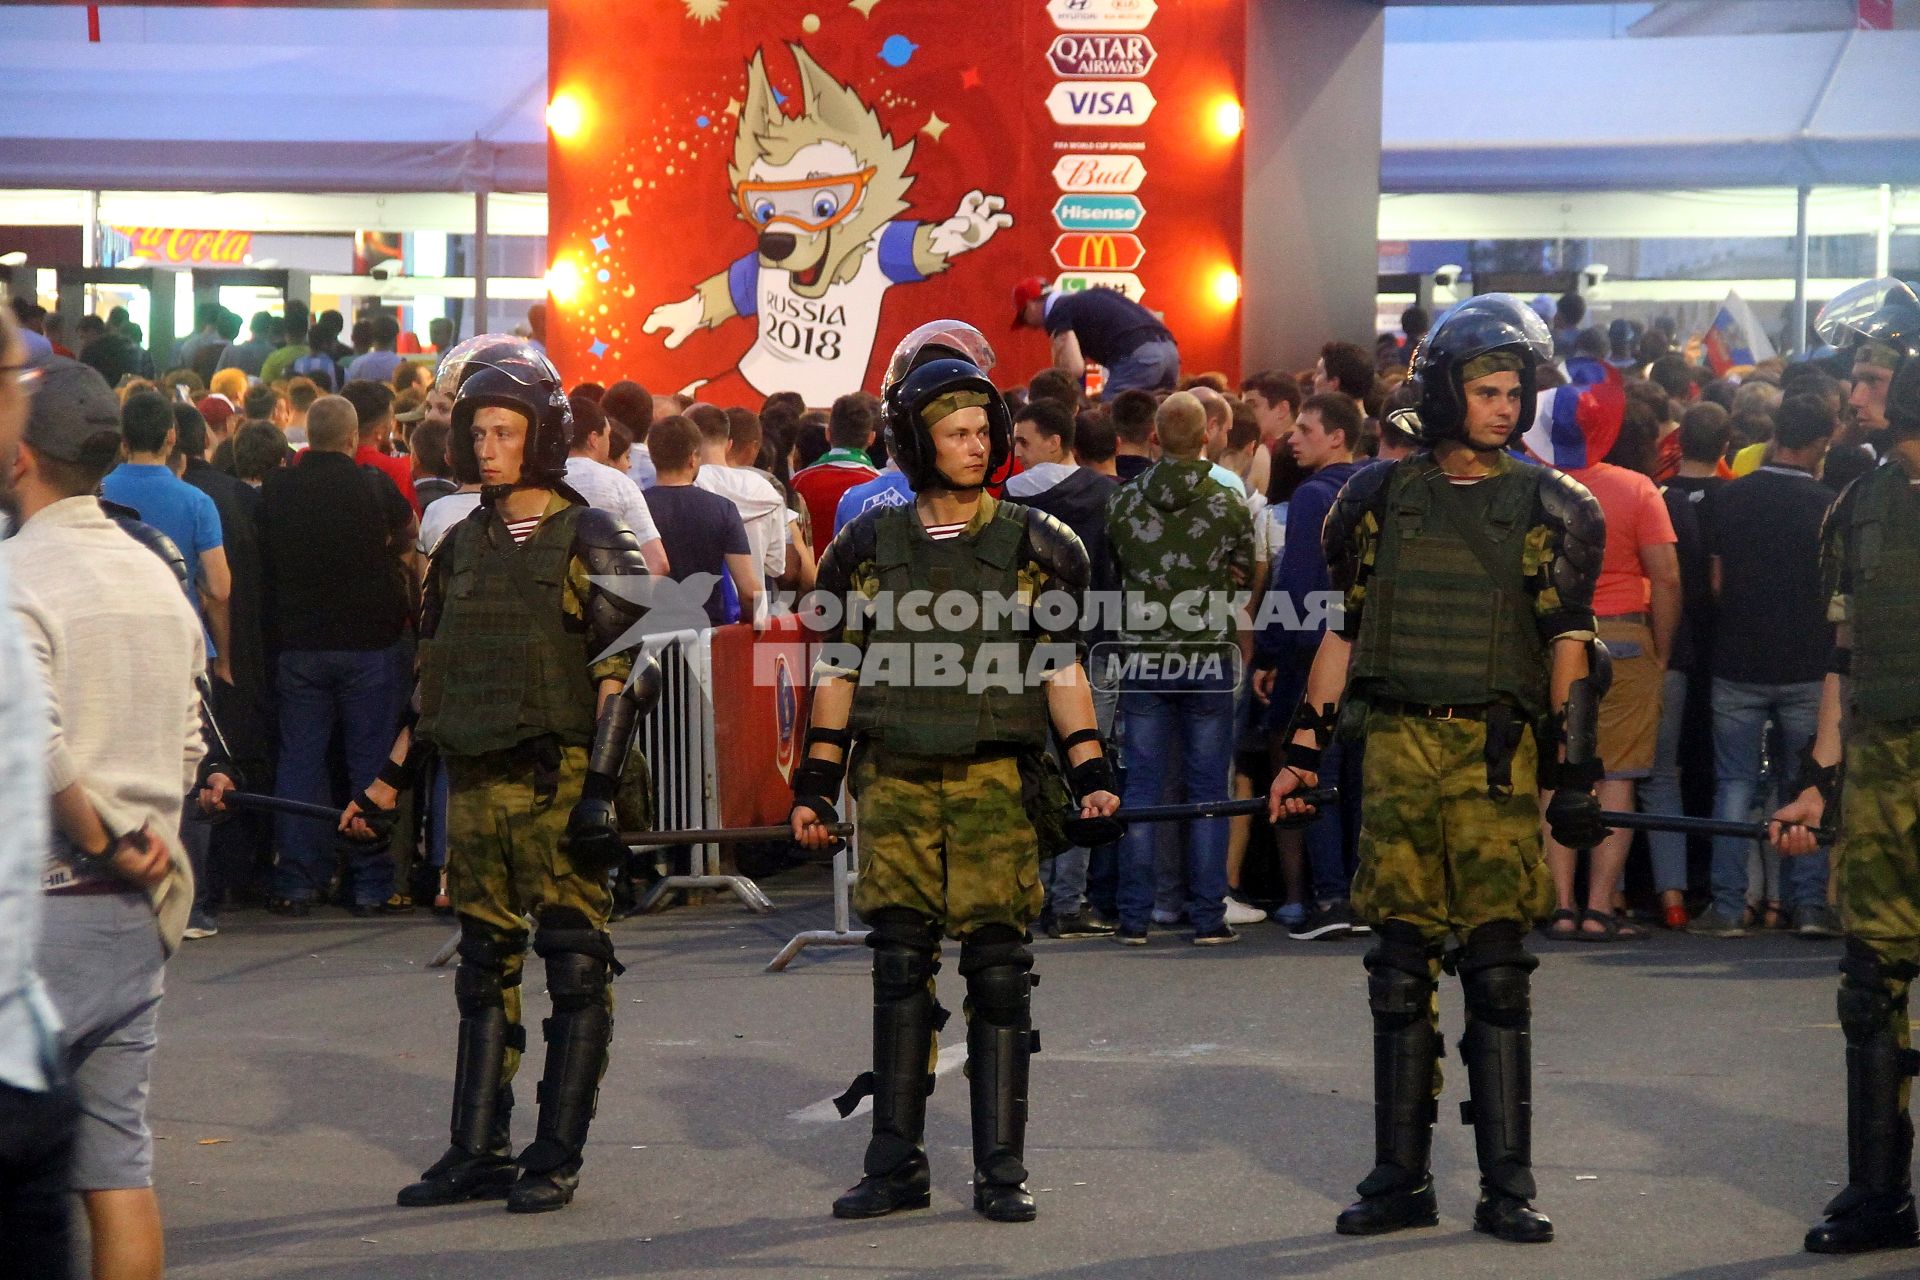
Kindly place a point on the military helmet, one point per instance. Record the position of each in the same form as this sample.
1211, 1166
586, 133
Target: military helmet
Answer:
940, 368
1480, 331
1877, 318
1903, 400
500, 369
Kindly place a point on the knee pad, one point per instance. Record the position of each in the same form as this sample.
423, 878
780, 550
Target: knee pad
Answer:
904, 944
1494, 966
480, 981
1866, 1006
997, 966
576, 980
1400, 973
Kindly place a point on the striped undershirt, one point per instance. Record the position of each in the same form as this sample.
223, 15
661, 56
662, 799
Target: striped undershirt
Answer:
941, 532
522, 529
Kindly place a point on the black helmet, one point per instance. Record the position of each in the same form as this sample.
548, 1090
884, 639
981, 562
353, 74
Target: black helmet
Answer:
1874, 313
938, 368
1480, 326
1903, 400
500, 369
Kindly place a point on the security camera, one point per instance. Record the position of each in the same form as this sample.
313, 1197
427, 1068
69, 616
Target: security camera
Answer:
1591, 276
1448, 276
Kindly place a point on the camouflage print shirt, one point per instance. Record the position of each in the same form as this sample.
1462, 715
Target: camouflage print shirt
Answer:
1181, 544
1562, 559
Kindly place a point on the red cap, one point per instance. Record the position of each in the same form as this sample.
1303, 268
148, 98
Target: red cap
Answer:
216, 409
1031, 289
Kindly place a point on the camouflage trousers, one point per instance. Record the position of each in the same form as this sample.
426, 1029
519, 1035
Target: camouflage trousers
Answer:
1876, 865
946, 838
1435, 850
503, 855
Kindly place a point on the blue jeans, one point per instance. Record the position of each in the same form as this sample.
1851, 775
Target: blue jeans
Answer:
1196, 728
1151, 366
360, 691
1660, 793
1740, 714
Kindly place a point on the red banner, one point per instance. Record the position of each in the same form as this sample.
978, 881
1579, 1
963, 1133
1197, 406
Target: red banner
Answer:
788, 189
759, 718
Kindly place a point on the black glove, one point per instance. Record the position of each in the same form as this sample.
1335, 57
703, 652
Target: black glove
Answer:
815, 782
379, 821
1573, 816
1091, 775
592, 837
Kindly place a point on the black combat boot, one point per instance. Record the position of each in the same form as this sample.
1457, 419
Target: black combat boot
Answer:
1496, 976
895, 1170
478, 1165
577, 1037
1398, 1193
1875, 1210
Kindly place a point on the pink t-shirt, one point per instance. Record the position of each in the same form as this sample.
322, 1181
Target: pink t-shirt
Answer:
1636, 517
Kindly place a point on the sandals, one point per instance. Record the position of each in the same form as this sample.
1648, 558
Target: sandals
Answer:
1552, 925
1612, 929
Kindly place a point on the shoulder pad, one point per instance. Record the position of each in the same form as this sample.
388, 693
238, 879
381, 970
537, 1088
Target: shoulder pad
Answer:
595, 528
608, 549
1363, 491
1057, 549
1571, 505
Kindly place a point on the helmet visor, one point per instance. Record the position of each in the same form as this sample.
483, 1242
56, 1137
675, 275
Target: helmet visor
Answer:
1843, 321
957, 336
1490, 321
517, 358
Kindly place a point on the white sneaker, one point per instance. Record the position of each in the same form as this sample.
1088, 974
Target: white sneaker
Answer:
1239, 912
200, 931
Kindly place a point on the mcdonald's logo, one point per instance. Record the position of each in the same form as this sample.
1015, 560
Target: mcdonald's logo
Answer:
1098, 251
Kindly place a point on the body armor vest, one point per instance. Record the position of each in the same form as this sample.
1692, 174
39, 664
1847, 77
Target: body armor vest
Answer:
1437, 628
939, 716
501, 667
1885, 617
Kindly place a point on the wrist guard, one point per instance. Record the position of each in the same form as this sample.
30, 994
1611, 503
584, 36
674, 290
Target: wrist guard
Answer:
1320, 724
816, 784
1095, 773
1822, 778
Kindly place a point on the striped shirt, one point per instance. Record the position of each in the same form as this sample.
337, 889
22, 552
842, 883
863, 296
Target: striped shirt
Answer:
523, 529
941, 532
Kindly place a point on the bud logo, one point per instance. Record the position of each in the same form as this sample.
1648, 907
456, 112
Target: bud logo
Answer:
1082, 172
1101, 102
1124, 283
1098, 57
1098, 251
1101, 15
1098, 213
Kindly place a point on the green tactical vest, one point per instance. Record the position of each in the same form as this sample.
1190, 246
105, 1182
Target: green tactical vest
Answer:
1886, 598
1436, 627
501, 667
945, 719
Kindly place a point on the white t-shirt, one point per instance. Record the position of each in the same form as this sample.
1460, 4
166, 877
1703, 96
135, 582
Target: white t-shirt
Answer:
819, 347
762, 510
441, 515
614, 491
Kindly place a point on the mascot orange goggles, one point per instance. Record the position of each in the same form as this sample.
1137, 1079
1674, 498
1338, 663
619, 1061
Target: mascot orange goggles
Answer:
811, 204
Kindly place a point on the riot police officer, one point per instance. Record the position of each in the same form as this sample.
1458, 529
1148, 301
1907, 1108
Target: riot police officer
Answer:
1870, 559
1475, 675
950, 771
532, 712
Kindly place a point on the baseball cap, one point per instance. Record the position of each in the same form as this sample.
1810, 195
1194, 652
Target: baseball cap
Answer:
216, 409
1028, 290
72, 406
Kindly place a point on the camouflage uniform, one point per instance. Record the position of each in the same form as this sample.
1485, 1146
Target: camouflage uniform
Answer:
1871, 566
1450, 831
508, 699
944, 780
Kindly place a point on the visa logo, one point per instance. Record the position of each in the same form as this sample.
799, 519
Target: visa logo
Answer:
1120, 103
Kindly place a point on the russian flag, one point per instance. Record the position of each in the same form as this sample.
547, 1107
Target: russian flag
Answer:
1735, 338
1574, 426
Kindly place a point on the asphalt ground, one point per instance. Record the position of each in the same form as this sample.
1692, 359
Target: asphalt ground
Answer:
1196, 1112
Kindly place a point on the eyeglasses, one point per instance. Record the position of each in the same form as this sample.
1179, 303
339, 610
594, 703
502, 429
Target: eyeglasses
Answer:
25, 376
811, 204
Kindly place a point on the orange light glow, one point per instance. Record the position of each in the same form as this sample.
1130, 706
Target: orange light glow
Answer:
1227, 118
564, 281
1223, 286
566, 116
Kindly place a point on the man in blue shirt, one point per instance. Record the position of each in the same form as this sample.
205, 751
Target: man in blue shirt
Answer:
1322, 441
1104, 327
145, 483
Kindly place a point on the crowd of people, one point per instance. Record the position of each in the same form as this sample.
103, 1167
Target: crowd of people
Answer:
305, 578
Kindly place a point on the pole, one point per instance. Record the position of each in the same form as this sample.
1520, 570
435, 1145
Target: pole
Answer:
1798, 346
723, 835
1883, 233
1701, 826
479, 265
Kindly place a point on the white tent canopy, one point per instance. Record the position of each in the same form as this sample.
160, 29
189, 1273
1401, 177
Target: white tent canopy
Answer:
1688, 111
274, 99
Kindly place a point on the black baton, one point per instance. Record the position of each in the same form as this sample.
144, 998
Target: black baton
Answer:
1686, 826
